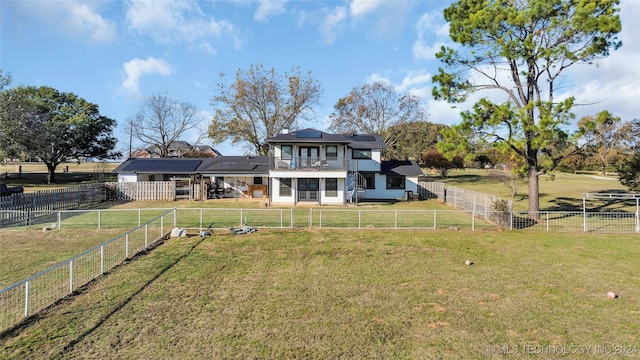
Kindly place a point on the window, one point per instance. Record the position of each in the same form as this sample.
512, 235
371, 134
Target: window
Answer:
286, 152
257, 180
370, 178
361, 154
285, 186
332, 152
331, 187
395, 182
152, 178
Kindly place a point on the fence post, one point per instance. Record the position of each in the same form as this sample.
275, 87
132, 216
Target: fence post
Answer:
70, 276
201, 219
395, 222
26, 299
241, 213
359, 219
292, 219
101, 259
511, 220
434, 219
59, 219
126, 246
146, 235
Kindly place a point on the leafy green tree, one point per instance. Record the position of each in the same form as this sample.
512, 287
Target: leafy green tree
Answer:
434, 159
604, 133
629, 173
409, 139
260, 104
521, 49
53, 126
374, 108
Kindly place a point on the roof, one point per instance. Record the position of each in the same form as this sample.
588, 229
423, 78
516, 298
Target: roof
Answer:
235, 165
159, 165
218, 165
365, 141
313, 136
400, 167
307, 136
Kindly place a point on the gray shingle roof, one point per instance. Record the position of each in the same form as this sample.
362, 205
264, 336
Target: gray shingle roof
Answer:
401, 167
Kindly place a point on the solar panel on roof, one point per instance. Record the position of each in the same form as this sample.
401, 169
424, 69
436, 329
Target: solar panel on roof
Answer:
364, 138
163, 165
308, 134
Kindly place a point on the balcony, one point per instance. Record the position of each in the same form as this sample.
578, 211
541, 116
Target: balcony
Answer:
308, 163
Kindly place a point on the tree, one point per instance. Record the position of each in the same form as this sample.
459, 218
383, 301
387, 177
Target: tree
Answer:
411, 138
629, 173
260, 104
373, 109
53, 126
434, 159
162, 120
604, 133
521, 49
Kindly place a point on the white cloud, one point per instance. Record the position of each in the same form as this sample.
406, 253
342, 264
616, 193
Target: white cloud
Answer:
269, 8
429, 26
79, 19
332, 24
179, 21
363, 7
137, 68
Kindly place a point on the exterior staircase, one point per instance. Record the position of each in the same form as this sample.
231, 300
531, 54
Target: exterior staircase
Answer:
356, 184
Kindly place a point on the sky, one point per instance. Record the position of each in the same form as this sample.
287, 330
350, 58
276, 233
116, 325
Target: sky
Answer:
117, 53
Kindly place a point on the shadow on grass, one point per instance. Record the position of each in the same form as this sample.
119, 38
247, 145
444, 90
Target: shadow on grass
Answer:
127, 300
607, 200
16, 330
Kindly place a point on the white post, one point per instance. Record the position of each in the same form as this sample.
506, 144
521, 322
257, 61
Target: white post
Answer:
102, 260
26, 299
70, 276
434, 219
126, 246
584, 215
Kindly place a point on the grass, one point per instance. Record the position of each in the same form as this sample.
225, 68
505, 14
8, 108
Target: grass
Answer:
349, 294
558, 192
25, 253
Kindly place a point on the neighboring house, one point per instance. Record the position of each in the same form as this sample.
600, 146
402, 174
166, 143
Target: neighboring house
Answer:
177, 149
307, 166
314, 166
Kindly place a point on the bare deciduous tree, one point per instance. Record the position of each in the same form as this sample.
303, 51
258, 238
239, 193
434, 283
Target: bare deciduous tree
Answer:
162, 120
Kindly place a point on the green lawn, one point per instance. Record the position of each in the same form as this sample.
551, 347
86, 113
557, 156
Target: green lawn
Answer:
322, 294
558, 192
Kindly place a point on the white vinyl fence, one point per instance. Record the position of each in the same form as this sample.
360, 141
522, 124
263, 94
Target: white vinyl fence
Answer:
27, 297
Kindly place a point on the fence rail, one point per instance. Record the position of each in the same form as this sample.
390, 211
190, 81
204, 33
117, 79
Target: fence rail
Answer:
71, 197
27, 297
225, 218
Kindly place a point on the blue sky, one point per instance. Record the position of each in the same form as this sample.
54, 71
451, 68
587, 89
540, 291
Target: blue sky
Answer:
114, 53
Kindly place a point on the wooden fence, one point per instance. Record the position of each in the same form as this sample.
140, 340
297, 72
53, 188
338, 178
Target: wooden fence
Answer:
153, 191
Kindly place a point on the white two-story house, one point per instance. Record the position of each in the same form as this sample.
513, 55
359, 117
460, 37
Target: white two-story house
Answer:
317, 167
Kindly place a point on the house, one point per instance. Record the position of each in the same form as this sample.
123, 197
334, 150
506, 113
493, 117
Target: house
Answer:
305, 166
318, 167
225, 176
177, 149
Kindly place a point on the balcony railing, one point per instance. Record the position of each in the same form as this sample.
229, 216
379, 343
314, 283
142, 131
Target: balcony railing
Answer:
308, 163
